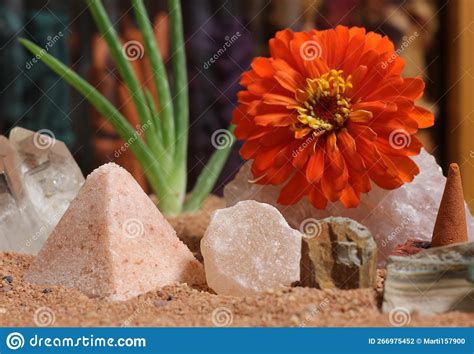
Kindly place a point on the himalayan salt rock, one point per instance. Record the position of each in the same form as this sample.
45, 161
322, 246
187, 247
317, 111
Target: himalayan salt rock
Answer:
433, 281
113, 242
391, 216
38, 180
410, 247
249, 248
341, 254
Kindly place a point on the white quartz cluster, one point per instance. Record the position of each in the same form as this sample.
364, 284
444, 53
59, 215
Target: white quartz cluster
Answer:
391, 216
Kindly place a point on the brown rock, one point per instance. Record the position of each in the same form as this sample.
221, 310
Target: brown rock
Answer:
450, 226
341, 254
113, 243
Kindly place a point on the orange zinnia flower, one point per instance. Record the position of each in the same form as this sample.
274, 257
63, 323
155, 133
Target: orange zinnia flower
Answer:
327, 113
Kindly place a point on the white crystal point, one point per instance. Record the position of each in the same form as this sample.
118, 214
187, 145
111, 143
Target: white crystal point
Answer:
250, 248
51, 175
38, 180
391, 216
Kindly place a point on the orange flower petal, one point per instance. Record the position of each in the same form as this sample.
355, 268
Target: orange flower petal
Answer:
406, 167
360, 116
275, 119
288, 81
350, 198
249, 149
401, 145
277, 175
360, 130
294, 190
263, 67
264, 159
303, 152
412, 87
375, 106
317, 198
424, 117
347, 147
315, 68
279, 100
315, 166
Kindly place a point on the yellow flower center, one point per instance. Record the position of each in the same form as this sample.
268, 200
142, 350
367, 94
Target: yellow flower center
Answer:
323, 104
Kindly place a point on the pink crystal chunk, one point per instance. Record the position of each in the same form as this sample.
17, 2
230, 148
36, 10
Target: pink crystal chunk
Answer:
113, 242
249, 248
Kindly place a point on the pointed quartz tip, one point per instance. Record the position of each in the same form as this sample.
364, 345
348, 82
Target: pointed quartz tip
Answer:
450, 226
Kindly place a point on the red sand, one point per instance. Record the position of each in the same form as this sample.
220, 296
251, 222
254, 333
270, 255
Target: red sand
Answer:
184, 306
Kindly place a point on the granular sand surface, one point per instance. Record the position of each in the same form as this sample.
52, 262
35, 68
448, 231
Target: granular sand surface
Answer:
23, 304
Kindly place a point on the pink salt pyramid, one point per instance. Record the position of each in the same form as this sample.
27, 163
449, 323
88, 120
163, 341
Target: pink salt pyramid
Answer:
113, 242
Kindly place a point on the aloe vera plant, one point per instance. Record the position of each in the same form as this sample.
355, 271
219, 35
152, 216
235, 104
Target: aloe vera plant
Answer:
163, 151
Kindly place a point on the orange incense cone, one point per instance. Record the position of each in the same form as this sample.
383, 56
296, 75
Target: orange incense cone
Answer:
450, 226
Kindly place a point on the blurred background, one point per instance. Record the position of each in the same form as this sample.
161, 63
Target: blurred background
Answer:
435, 37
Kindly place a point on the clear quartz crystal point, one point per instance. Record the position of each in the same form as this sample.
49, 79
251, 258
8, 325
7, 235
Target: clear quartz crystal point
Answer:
38, 179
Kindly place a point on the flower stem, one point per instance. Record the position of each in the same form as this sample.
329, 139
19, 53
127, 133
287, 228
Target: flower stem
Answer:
107, 30
150, 163
181, 105
163, 154
159, 75
155, 114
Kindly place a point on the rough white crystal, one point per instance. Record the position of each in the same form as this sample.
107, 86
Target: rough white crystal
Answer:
38, 179
249, 248
392, 216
